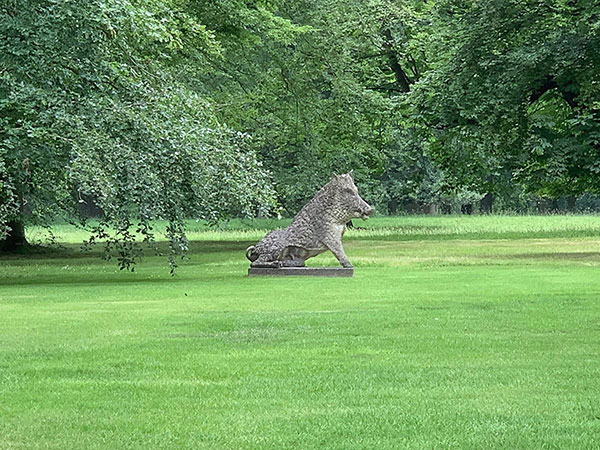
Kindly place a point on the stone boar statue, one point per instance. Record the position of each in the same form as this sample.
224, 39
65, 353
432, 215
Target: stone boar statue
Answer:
318, 227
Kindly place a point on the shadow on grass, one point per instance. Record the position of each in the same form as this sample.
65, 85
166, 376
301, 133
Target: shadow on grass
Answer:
117, 279
69, 265
71, 251
471, 236
568, 256
83, 280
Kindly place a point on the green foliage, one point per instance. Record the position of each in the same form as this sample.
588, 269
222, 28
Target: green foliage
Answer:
513, 96
325, 99
94, 101
178, 108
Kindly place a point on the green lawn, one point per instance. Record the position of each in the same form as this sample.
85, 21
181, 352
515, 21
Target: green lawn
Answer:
455, 332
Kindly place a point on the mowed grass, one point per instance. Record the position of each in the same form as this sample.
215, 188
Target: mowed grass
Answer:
455, 332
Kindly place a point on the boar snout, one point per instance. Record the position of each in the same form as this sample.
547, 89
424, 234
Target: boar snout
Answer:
366, 210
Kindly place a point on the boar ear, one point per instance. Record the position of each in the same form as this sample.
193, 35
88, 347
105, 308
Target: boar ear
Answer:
351, 173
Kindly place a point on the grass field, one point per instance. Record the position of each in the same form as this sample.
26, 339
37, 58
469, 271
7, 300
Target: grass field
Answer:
455, 332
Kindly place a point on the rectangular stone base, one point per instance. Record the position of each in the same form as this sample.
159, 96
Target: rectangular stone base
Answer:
301, 271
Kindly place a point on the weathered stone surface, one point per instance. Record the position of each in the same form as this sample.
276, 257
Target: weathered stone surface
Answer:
301, 271
319, 226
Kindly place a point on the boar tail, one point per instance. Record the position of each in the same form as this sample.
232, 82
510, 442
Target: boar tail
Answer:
250, 255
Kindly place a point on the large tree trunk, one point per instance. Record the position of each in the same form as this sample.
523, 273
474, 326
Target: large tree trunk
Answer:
15, 239
401, 78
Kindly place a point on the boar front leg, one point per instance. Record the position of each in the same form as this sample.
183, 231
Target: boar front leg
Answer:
338, 251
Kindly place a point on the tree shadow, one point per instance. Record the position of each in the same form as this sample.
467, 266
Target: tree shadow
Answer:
573, 256
69, 265
75, 251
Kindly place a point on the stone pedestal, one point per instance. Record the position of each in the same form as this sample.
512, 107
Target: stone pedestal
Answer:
301, 271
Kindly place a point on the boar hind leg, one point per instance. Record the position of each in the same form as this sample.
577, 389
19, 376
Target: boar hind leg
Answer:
265, 261
292, 263
293, 256
338, 251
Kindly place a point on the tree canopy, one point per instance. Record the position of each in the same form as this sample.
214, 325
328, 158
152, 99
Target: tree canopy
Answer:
178, 108
515, 94
95, 100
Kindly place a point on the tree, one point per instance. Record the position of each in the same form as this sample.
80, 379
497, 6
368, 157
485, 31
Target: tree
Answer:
514, 94
94, 100
317, 84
